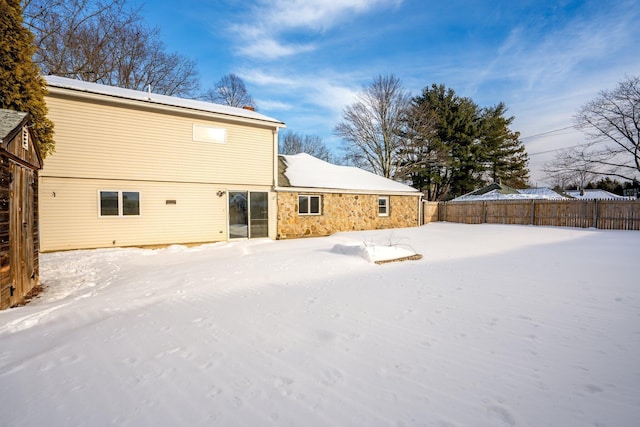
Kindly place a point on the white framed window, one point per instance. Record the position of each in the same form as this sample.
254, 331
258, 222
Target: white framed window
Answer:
383, 206
309, 205
118, 203
203, 133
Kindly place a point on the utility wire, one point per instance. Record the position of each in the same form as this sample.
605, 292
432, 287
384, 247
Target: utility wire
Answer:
560, 149
548, 132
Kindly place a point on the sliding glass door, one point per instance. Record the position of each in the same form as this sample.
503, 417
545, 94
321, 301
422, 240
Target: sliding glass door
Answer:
248, 214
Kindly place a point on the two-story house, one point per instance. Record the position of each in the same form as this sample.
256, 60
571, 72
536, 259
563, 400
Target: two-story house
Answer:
135, 168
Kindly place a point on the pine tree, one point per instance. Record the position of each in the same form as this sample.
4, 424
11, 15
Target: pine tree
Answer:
455, 147
22, 88
453, 142
505, 156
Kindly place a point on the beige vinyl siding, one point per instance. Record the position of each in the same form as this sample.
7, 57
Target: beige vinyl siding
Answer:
72, 220
145, 144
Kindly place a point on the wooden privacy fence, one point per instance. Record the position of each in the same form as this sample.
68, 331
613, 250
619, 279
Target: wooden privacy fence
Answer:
604, 214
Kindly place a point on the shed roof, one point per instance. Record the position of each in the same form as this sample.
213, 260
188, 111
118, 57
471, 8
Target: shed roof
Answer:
11, 126
9, 120
154, 98
305, 171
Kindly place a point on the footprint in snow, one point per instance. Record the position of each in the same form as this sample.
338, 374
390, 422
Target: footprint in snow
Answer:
591, 388
501, 415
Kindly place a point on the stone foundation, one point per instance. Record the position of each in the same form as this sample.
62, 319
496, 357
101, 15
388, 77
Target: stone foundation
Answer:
343, 212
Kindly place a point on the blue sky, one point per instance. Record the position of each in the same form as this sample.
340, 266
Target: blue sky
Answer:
303, 61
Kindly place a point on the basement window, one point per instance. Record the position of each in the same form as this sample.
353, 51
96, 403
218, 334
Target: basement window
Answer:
383, 206
119, 203
309, 205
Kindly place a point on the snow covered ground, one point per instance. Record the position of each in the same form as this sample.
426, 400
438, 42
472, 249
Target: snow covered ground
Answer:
494, 326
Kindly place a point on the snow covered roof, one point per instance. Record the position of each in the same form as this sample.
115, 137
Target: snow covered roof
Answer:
497, 191
136, 95
542, 193
595, 194
305, 171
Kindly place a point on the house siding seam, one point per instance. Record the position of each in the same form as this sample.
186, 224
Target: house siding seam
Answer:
343, 212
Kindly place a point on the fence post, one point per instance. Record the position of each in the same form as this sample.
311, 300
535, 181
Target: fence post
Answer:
533, 212
595, 213
484, 212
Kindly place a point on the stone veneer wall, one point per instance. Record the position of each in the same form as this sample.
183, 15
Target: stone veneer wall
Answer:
343, 212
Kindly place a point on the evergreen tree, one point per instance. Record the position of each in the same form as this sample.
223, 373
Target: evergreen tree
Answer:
453, 143
21, 86
505, 156
454, 147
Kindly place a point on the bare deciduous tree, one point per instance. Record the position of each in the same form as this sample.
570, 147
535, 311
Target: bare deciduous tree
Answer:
294, 143
230, 90
611, 121
421, 155
571, 168
105, 41
371, 127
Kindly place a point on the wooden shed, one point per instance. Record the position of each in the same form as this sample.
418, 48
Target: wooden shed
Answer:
19, 243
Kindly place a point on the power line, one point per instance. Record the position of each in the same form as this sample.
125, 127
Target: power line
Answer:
561, 148
548, 132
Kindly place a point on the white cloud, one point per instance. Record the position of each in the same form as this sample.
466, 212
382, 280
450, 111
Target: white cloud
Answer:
317, 14
270, 105
262, 78
267, 48
539, 56
323, 91
261, 35
545, 74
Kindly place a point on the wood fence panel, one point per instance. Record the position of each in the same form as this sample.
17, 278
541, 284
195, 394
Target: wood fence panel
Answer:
464, 212
564, 213
604, 214
618, 215
429, 212
508, 212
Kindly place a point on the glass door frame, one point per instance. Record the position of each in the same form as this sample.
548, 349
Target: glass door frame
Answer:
242, 219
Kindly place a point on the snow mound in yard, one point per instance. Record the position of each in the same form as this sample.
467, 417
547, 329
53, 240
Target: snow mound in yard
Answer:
375, 253
379, 253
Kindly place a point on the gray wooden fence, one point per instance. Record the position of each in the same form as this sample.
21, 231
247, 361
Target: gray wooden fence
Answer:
604, 214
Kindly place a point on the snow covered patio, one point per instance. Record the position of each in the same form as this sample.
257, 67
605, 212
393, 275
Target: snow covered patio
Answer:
494, 326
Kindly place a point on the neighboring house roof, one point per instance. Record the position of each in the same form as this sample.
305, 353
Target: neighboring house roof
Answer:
595, 194
542, 193
308, 172
153, 98
9, 120
497, 191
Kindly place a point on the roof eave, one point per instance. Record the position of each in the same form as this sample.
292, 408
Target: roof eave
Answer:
54, 89
346, 191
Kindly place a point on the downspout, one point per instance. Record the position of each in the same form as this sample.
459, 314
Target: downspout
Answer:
275, 183
275, 158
